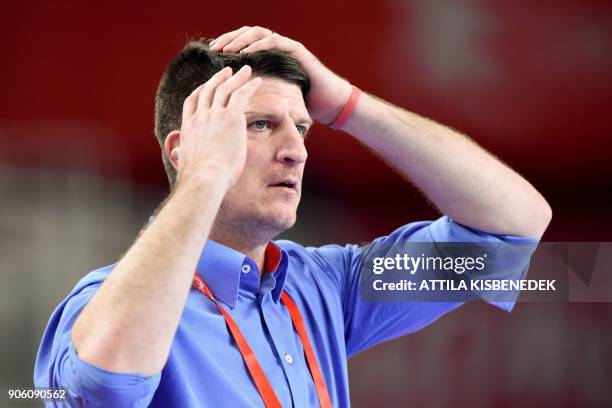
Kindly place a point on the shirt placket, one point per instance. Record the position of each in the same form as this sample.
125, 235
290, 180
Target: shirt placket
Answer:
289, 351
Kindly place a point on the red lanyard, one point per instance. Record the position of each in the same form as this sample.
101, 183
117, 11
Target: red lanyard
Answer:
259, 377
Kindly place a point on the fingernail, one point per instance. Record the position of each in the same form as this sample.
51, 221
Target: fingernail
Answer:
212, 42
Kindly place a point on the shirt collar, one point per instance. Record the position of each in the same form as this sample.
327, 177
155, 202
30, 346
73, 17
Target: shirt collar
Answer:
221, 268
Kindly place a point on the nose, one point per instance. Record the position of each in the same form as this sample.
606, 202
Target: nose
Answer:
291, 150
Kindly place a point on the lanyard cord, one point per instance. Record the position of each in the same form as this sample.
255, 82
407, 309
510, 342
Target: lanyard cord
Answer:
259, 377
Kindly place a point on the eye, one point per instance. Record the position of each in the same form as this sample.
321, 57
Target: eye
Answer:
259, 124
303, 130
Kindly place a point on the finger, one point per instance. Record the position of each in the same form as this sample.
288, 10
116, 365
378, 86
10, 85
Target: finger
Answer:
241, 96
199, 97
275, 41
207, 93
190, 104
225, 90
218, 43
247, 38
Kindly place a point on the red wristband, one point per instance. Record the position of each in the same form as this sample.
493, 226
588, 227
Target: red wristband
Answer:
345, 113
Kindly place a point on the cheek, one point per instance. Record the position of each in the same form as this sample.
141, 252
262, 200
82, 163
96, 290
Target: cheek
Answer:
251, 177
257, 161
258, 146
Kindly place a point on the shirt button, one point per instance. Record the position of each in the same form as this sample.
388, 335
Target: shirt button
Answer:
288, 358
246, 269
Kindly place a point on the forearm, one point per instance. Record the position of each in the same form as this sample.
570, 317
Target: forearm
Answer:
459, 177
129, 324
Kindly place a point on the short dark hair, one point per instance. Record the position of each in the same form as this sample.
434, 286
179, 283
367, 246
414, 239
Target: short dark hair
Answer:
196, 64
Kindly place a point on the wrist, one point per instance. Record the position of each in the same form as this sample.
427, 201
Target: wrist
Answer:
212, 182
207, 173
337, 97
347, 109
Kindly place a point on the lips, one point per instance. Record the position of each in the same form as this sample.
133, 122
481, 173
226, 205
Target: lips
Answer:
288, 182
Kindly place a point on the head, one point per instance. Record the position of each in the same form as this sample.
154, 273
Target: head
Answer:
276, 119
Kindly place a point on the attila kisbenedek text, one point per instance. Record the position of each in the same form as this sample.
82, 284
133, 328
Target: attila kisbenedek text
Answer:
459, 265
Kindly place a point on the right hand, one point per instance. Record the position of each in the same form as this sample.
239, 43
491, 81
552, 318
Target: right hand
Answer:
213, 136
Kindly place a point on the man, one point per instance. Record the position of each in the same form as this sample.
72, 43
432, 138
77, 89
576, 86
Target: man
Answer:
263, 322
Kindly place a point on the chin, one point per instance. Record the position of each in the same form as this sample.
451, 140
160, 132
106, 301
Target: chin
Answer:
282, 222
279, 219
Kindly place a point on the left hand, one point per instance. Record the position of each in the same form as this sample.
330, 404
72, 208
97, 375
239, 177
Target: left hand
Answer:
328, 91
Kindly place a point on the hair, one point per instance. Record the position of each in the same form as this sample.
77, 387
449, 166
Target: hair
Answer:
195, 65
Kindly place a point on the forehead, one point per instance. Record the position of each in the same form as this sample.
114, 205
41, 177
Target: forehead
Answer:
278, 96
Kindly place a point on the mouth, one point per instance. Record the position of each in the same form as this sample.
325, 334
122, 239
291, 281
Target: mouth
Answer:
288, 184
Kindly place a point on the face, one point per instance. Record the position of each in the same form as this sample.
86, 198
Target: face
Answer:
265, 198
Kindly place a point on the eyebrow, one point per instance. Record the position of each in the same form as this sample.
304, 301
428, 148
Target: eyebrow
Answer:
308, 122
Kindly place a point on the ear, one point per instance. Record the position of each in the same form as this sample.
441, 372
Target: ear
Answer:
172, 146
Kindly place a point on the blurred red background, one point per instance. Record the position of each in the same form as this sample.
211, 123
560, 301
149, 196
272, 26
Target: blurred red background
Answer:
529, 81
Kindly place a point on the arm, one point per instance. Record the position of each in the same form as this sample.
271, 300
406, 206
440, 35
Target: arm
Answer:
463, 180
459, 177
129, 324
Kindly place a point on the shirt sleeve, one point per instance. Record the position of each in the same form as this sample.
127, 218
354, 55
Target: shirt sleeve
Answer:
369, 323
59, 366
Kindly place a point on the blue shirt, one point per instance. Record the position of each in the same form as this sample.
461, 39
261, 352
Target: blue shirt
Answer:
205, 369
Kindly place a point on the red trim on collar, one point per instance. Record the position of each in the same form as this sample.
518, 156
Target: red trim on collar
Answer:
272, 258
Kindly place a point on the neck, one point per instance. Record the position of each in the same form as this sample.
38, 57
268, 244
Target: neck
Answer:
251, 248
